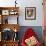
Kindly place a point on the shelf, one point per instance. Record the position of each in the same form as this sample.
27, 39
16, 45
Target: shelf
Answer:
6, 23
9, 19
10, 26
6, 12
9, 10
11, 41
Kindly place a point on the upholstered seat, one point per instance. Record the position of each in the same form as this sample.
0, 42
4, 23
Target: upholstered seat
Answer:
28, 38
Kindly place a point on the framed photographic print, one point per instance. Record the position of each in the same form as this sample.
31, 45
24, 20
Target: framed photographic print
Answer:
30, 13
5, 12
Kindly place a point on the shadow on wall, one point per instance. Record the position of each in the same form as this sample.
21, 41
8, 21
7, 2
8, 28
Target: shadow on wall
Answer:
37, 29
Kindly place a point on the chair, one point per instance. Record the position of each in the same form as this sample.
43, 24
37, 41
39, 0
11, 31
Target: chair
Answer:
28, 34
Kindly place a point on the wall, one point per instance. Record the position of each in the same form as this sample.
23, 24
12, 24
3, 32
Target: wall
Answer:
39, 12
27, 3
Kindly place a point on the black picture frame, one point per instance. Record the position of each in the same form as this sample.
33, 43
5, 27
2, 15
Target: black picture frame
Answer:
30, 13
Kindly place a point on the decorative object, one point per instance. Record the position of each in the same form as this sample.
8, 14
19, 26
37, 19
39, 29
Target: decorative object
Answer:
5, 12
30, 13
15, 3
13, 12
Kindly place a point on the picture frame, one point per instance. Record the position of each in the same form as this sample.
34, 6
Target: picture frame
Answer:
30, 13
5, 12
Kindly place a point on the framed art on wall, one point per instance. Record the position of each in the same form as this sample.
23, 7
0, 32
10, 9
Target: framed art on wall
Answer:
30, 13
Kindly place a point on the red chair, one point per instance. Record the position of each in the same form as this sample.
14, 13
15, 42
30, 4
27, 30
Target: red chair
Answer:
29, 33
